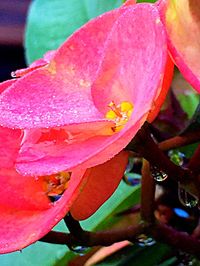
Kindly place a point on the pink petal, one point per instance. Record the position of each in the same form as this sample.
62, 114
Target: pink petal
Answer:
102, 180
118, 79
6, 84
49, 157
36, 64
182, 21
133, 66
20, 192
9, 146
59, 93
164, 88
20, 227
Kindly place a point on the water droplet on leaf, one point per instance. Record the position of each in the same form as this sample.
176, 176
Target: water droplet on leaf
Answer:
158, 174
185, 198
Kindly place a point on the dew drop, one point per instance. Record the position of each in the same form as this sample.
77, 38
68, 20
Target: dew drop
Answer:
132, 179
81, 250
129, 166
145, 241
158, 174
185, 198
13, 74
177, 157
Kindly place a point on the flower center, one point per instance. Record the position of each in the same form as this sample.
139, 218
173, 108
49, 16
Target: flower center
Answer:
56, 184
120, 114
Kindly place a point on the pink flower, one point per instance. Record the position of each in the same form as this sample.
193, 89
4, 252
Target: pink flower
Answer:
75, 109
182, 22
88, 102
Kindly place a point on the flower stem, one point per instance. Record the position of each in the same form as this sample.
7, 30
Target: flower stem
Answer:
147, 194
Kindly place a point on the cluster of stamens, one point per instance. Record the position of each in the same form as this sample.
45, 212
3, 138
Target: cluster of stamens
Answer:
57, 184
120, 114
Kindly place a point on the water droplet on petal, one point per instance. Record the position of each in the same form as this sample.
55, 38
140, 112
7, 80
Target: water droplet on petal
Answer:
185, 198
79, 249
158, 174
13, 74
145, 241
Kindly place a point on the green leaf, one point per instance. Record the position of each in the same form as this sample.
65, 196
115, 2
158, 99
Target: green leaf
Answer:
50, 22
189, 102
137, 256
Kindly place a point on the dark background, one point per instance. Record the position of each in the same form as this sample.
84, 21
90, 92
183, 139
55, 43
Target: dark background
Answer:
12, 22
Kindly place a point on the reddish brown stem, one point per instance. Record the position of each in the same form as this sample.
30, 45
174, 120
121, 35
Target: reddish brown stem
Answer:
161, 232
147, 148
194, 164
147, 194
180, 141
90, 239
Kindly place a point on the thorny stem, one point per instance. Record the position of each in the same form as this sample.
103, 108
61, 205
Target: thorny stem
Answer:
160, 232
103, 238
180, 141
147, 194
144, 144
147, 148
73, 226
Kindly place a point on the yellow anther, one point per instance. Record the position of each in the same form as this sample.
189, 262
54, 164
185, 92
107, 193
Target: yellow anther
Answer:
120, 114
56, 184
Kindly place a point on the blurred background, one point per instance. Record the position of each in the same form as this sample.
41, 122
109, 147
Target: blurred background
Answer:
12, 22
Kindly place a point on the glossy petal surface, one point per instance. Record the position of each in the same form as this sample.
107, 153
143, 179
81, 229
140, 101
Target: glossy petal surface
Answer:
118, 79
182, 21
59, 93
101, 182
36, 64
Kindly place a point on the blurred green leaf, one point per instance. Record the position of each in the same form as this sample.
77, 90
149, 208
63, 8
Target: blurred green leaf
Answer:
189, 102
50, 22
137, 256
194, 123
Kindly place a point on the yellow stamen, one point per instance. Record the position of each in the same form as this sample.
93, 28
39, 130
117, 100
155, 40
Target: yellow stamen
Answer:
120, 114
56, 184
